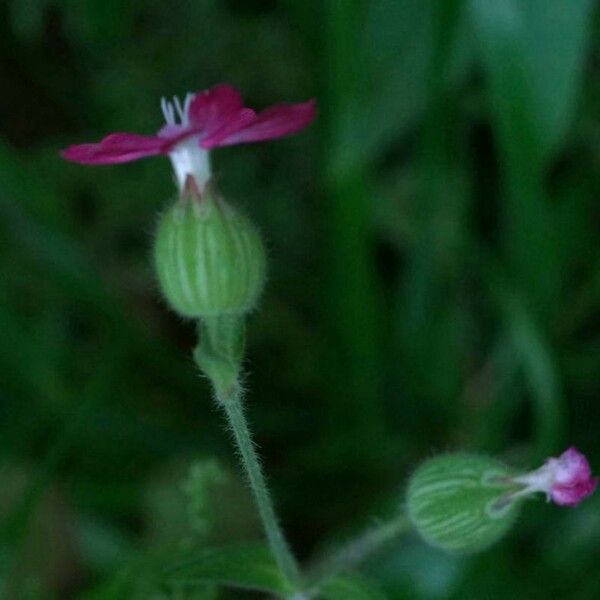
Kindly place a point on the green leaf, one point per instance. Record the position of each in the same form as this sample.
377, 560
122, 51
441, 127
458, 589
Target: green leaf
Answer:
121, 585
247, 566
136, 582
399, 37
351, 588
541, 376
533, 53
534, 356
535, 49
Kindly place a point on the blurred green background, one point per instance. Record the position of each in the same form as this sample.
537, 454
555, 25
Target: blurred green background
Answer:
434, 283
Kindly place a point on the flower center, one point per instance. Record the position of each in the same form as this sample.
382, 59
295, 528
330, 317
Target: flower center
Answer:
187, 157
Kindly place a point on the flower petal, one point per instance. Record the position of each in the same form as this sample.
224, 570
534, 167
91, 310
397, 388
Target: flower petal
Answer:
571, 467
244, 117
214, 108
572, 479
274, 122
573, 495
115, 148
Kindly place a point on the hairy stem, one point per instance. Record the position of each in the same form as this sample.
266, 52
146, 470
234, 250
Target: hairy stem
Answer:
231, 401
356, 551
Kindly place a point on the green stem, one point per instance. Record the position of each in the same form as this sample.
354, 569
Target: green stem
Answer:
359, 549
219, 355
231, 401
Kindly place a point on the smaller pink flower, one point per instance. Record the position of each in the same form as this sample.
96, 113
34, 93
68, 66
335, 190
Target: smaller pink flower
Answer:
566, 480
208, 119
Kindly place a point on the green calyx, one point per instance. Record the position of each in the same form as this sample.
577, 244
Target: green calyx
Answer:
209, 258
461, 502
220, 350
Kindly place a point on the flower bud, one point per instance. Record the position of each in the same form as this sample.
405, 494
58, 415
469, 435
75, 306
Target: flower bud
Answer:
209, 258
461, 502
566, 480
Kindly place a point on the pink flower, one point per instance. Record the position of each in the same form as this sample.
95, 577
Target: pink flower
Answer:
566, 480
208, 119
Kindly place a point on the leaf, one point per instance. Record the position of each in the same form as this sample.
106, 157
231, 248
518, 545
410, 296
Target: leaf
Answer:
399, 40
351, 588
121, 585
135, 582
533, 51
248, 566
534, 356
541, 375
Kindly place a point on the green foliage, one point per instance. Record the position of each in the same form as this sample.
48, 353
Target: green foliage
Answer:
537, 50
351, 588
247, 567
434, 285
204, 484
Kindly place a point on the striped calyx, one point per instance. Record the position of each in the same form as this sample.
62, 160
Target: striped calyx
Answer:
209, 258
461, 502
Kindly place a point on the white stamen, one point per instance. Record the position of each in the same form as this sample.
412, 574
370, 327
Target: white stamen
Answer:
167, 110
180, 112
187, 102
187, 157
176, 109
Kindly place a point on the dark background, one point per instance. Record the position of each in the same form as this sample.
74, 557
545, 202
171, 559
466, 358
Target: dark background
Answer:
434, 282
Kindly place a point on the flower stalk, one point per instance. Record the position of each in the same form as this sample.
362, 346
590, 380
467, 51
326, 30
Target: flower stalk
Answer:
219, 356
231, 401
356, 551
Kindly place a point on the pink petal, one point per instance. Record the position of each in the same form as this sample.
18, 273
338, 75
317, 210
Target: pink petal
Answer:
571, 467
573, 495
572, 478
214, 108
244, 117
274, 122
115, 148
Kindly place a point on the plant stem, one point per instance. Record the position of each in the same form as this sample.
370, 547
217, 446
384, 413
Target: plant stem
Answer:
231, 401
219, 355
356, 551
